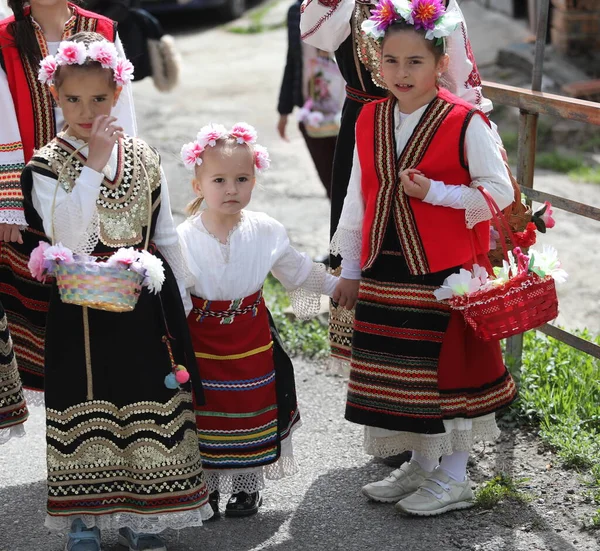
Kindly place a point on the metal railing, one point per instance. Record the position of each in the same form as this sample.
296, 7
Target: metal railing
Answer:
531, 104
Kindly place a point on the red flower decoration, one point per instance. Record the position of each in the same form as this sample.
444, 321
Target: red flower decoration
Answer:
526, 238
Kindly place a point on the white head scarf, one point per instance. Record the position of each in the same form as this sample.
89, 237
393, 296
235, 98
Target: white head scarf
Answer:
462, 77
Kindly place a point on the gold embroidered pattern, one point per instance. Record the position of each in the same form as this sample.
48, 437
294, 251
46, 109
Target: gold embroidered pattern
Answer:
13, 410
123, 201
368, 49
140, 458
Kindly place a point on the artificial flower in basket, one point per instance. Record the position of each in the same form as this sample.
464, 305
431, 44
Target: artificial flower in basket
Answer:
521, 295
114, 284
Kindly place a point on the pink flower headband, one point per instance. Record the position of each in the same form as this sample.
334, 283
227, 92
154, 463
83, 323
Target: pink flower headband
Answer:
191, 153
429, 15
77, 53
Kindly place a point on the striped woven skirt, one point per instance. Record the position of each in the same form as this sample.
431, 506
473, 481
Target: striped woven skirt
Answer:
415, 364
13, 410
250, 408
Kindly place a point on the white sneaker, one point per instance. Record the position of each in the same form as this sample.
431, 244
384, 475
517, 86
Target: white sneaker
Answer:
401, 483
438, 494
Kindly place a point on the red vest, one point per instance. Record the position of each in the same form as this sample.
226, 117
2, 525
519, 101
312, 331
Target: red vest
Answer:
438, 233
32, 99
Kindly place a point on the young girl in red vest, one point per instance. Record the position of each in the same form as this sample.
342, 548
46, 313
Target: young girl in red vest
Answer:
122, 448
245, 428
30, 119
420, 380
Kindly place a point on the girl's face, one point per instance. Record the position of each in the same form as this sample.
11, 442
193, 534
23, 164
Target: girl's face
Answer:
410, 70
83, 95
226, 178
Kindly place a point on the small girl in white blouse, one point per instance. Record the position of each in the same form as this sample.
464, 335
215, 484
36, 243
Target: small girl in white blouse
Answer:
250, 411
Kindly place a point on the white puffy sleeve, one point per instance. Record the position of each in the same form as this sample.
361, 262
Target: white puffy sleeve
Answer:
325, 24
347, 240
304, 279
12, 160
167, 240
124, 110
75, 219
486, 168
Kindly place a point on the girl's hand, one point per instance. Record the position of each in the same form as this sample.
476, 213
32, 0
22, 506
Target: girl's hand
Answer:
103, 136
346, 292
414, 183
10, 233
281, 126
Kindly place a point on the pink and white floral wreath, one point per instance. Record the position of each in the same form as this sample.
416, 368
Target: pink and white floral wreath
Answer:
77, 53
191, 153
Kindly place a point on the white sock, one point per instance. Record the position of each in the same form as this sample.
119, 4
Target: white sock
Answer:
455, 465
424, 462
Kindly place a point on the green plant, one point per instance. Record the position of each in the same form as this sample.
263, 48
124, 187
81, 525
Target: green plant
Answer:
500, 488
589, 174
559, 390
558, 162
306, 338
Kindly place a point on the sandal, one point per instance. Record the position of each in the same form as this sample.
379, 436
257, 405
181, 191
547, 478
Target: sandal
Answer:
243, 504
82, 538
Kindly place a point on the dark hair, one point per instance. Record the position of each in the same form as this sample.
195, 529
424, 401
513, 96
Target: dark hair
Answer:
437, 47
87, 38
22, 31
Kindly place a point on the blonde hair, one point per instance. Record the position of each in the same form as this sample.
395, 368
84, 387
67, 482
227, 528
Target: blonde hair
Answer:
193, 207
227, 146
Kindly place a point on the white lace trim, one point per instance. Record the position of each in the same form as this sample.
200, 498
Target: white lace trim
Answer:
233, 481
67, 223
34, 398
145, 524
346, 243
225, 247
174, 257
16, 431
476, 209
13, 216
432, 446
306, 299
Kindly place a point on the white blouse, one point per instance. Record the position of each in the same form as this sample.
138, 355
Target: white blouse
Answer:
326, 27
74, 212
238, 268
10, 133
486, 168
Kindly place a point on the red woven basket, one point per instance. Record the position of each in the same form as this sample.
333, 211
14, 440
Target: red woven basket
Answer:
524, 302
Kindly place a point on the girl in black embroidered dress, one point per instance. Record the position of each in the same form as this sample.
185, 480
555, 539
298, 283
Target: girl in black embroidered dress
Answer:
122, 447
419, 379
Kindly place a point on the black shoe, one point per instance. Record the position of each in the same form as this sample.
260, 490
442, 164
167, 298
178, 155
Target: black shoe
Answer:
243, 504
213, 501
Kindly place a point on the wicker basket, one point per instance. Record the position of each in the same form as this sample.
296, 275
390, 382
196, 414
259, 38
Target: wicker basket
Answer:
100, 287
517, 215
524, 302
325, 130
